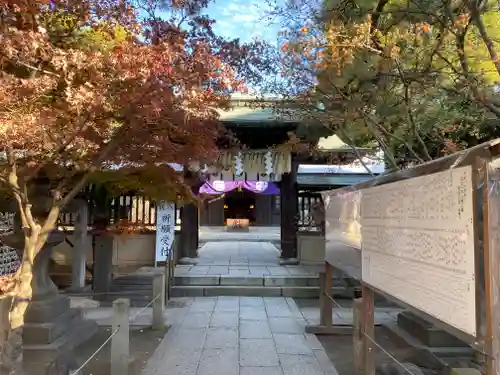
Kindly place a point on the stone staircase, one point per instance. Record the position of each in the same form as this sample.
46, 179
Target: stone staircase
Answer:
138, 287
431, 347
260, 286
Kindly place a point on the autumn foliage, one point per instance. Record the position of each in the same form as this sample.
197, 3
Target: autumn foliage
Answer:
419, 80
105, 90
89, 84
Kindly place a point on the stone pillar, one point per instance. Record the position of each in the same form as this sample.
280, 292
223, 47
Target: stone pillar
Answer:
289, 211
80, 242
189, 237
103, 265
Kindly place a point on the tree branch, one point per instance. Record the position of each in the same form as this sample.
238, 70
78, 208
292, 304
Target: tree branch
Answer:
409, 115
476, 17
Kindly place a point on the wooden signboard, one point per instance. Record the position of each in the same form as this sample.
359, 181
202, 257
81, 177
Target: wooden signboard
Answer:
241, 225
418, 244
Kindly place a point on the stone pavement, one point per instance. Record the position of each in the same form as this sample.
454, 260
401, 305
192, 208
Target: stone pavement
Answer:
246, 270
239, 336
242, 258
238, 253
255, 234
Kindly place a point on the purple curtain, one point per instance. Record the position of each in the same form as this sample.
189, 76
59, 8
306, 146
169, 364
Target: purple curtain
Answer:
220, 187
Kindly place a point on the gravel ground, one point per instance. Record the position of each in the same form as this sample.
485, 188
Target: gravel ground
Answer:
340, 351
143, 343
339, 348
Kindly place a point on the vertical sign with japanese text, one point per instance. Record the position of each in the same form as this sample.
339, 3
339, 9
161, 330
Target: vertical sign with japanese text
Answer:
165, 228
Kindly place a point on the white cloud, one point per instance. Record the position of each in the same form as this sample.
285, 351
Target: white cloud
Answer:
250, 18
234, 6
241, 18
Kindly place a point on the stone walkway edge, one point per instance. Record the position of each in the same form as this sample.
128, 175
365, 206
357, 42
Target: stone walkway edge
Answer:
239, 336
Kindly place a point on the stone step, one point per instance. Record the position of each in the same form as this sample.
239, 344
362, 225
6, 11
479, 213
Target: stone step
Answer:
133, 280
38, 357
425, 332
45, 333
272, 281
256, 291
131, 287
422, 355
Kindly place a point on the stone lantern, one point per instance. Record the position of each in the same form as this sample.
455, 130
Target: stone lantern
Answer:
52, 329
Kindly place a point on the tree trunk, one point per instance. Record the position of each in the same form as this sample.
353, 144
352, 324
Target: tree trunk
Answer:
12, 350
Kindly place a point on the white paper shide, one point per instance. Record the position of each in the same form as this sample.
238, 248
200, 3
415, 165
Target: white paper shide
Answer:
165, 228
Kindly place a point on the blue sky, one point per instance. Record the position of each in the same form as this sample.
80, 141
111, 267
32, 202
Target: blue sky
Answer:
242, 18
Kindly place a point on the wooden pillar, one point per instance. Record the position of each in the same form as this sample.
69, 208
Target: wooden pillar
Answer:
289, 211
358, 336
491, 226
189, 238
263, 210
326, 307
369, 330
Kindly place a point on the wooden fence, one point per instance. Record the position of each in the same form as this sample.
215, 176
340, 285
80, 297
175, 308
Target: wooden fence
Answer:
135, 209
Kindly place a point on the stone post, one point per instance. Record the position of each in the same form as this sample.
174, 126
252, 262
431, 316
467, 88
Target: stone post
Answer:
120, 342
79, 256
159, 303
103, 265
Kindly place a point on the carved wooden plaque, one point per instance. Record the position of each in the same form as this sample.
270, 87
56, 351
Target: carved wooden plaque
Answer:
418, 244
237, 225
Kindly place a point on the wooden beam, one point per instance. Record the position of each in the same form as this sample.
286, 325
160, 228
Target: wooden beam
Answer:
491, 227
326, 305
357, 336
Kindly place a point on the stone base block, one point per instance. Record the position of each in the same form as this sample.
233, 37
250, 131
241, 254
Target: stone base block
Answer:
436, 358
464, 371
289, 262
197, 280
46, 333
241, 280
187, 291
246, 291
397, 369
426, 332
38, 358
311, 248
46, 310
288, 280
187, 260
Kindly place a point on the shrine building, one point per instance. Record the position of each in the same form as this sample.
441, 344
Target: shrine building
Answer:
258, 182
